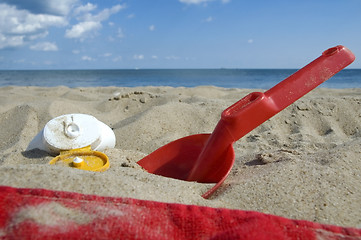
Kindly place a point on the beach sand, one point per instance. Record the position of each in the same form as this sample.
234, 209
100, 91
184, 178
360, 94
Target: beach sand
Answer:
304, 163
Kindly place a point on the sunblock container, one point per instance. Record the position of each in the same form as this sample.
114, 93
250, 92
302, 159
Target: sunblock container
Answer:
77, 140
73, 131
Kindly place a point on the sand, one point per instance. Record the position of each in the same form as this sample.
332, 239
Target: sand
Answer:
304, 163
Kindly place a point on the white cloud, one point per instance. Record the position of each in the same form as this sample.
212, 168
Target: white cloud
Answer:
76, 51
107, 54
194, 1
197, 2
138, 57
51, 7
102, 15
11, 41
89, 24
120, 33
17, 21
44, 46
62, 7
172, 57
17, 27
154, 57
208, 19
84, 8
117, 59
82, 30
250, 40
23, 21
19, 61
151, 28
87, 58
37, 36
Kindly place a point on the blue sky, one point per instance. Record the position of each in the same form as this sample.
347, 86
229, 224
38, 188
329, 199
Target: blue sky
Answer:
123, 34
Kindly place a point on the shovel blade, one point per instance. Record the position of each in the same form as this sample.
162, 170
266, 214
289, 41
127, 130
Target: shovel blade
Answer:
177, 159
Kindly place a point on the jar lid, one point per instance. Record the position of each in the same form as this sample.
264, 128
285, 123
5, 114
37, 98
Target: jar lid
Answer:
83, 159
71, 131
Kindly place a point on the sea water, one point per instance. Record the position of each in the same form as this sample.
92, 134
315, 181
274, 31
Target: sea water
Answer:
228, 78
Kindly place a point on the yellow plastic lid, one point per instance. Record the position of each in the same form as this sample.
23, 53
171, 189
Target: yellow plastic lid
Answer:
83, 158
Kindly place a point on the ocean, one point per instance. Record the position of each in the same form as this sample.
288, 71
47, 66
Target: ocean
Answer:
227, 78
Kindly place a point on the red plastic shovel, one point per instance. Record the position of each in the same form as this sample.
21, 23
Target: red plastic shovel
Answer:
208, 158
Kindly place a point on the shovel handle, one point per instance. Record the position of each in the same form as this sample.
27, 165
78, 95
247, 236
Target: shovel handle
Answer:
303, 81
254, 109
257, 107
